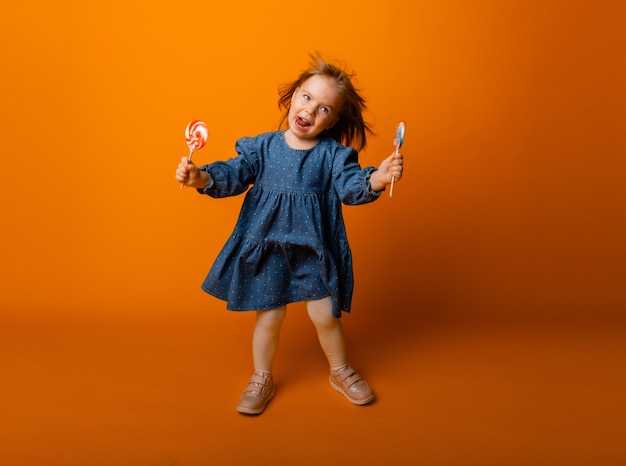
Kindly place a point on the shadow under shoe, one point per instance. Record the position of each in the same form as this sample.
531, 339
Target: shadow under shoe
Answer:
351, 385
258, 393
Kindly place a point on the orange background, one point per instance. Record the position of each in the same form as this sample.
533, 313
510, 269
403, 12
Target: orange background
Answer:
510, 221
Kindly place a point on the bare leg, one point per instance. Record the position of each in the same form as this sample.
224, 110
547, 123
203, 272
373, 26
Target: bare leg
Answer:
260, 389
265, 338
329, 332
342, 377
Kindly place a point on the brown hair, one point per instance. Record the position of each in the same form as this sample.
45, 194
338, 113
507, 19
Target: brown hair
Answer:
350, 129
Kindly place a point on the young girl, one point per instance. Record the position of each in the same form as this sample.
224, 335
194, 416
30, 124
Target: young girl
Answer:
289, 243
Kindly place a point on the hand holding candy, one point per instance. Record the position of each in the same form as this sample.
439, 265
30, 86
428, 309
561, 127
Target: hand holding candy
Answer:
399, 139
196, 135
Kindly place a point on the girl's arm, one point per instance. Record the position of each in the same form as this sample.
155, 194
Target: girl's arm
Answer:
222, 178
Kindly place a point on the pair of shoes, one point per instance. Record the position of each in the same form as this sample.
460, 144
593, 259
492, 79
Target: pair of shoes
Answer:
351, 385
258, 393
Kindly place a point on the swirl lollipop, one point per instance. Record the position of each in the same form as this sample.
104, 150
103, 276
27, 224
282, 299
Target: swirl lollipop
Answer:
196, 135
399, 139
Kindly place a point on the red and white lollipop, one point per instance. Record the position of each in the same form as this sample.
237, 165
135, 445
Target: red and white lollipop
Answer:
196, 135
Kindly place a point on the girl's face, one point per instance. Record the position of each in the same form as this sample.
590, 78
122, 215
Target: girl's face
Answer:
314, 107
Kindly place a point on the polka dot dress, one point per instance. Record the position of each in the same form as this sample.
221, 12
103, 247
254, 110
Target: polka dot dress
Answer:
289, 243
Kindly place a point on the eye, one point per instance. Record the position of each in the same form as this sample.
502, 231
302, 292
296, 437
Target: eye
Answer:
325, 110
306, 97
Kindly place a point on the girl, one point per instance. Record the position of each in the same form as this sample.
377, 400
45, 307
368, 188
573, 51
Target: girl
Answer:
289, 243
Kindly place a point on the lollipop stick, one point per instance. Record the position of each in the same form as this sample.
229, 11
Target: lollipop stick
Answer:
393, 178
188, 161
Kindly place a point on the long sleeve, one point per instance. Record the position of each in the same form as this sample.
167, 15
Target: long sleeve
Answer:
235, 175
351, 182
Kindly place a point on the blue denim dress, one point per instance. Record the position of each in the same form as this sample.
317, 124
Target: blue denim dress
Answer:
289, 243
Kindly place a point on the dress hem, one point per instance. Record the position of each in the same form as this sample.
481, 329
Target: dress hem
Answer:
265, 308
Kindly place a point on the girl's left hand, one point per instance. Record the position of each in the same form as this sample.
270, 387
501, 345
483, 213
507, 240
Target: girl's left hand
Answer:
389, 168
393, 165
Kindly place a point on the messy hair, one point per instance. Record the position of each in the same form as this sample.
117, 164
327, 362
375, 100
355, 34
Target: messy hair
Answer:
350, 129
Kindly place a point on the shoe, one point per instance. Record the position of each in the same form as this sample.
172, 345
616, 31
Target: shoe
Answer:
351, 385
258, 393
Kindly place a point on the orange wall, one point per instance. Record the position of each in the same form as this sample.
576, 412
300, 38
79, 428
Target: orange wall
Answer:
513, 201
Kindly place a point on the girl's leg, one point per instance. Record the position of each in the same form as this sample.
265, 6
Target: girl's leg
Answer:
265, 338
329, 332
342, 378
260, 389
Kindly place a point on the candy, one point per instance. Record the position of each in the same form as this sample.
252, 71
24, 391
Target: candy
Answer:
399, 139
196, 134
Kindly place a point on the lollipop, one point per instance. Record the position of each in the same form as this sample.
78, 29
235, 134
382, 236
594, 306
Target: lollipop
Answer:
196, 135
399, 139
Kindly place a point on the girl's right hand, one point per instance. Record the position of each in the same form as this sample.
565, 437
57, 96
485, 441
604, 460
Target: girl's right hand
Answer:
189, 175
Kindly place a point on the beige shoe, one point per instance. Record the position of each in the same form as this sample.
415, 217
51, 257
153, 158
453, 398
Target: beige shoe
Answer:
258, 393
351, 385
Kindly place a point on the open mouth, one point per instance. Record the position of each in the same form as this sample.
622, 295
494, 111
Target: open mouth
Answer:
302, 123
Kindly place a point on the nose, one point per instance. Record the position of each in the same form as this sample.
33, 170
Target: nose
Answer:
309, 108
